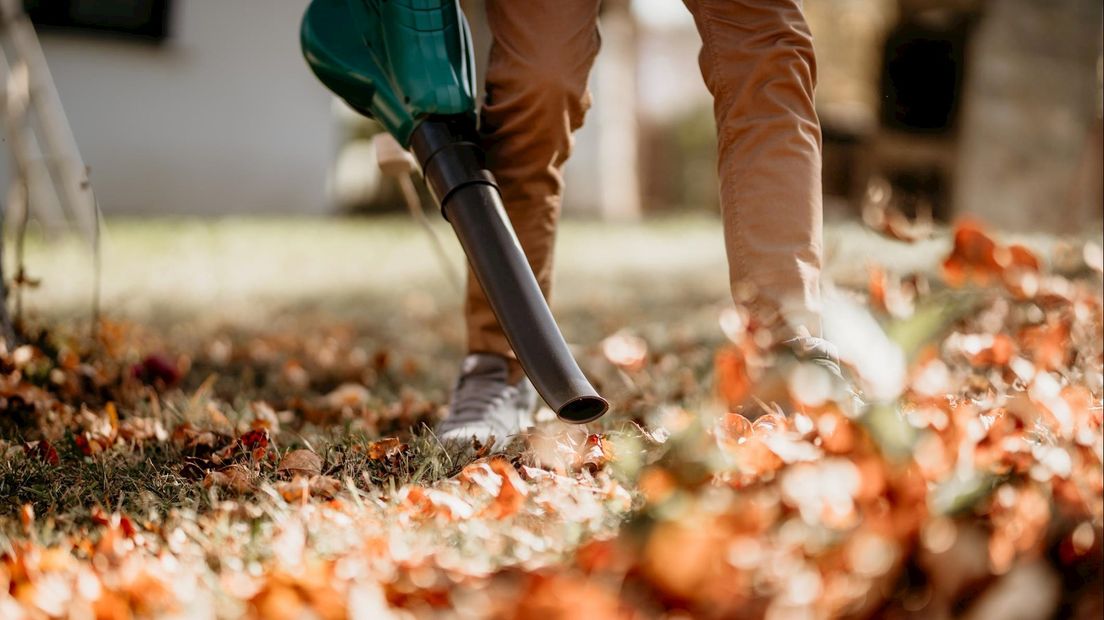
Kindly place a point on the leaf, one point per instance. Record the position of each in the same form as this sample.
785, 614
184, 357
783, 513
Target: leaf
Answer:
27, 517
138, 430
973, 257
188, 437
351, 395
42, 450
255, 443
236, 477
730, 369
891, 295
295, 490
112, 416
300, 463
424, 503
732, 429
386, 448
1048, 344
596, 452
325, 486
888, 220
498, 478
157, 369
511, 494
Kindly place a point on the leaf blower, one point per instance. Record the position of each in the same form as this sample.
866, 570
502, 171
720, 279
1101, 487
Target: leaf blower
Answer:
409, 65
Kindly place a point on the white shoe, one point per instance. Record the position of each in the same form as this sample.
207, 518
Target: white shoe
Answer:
484, 403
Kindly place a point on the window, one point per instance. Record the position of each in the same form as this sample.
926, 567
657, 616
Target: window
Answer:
922, 75
145, 19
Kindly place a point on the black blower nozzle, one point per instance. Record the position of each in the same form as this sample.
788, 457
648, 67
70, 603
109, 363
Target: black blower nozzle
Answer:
454, 168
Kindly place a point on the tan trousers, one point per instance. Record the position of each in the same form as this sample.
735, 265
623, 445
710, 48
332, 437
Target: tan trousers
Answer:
757, 60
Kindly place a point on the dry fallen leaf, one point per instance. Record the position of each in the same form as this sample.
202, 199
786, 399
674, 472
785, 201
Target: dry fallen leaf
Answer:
499, 479
805, 512
385, 448
891, 222
732, 375
237, 478
300, 463
351, 395
42, 450
596, 452
973, 258
324, 486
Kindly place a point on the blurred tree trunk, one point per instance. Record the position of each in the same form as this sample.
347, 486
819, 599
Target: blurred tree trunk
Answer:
1031, 101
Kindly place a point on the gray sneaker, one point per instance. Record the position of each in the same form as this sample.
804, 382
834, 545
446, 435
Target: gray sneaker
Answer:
484, 404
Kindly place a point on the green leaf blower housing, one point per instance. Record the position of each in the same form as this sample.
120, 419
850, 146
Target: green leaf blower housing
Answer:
409, 65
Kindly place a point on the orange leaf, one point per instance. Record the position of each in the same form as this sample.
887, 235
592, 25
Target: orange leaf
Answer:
974, 255
27, 517
112, 416
1048, 344
731, 376
733, 429
385, 448
877, 287
512, 493
657, 484
1018, 256
417, 503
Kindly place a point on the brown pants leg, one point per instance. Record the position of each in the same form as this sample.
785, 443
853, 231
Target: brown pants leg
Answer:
536, 97
757, 60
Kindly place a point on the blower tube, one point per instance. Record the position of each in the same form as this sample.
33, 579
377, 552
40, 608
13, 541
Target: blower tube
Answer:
454, 169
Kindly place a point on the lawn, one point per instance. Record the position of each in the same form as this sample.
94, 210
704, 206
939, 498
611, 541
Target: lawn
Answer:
246, 430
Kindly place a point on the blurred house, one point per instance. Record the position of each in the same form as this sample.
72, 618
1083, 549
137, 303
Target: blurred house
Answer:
191, 106
991, 107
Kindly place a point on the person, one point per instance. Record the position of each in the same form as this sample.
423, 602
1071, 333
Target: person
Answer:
758, 63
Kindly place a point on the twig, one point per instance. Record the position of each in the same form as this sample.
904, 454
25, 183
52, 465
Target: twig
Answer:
20, 253
97, 271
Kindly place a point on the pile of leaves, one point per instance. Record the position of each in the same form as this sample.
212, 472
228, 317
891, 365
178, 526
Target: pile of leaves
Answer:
958, 471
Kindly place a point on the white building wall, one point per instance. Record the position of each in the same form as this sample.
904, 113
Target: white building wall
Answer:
224, 117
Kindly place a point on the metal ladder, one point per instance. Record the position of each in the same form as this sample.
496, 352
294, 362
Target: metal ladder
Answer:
49, 179
46, 163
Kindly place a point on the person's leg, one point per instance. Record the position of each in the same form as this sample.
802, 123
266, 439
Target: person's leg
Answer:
757, 60
536, 85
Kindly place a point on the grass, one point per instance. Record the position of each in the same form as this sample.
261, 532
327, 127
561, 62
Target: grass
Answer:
156, 477
374, 285
242, 269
